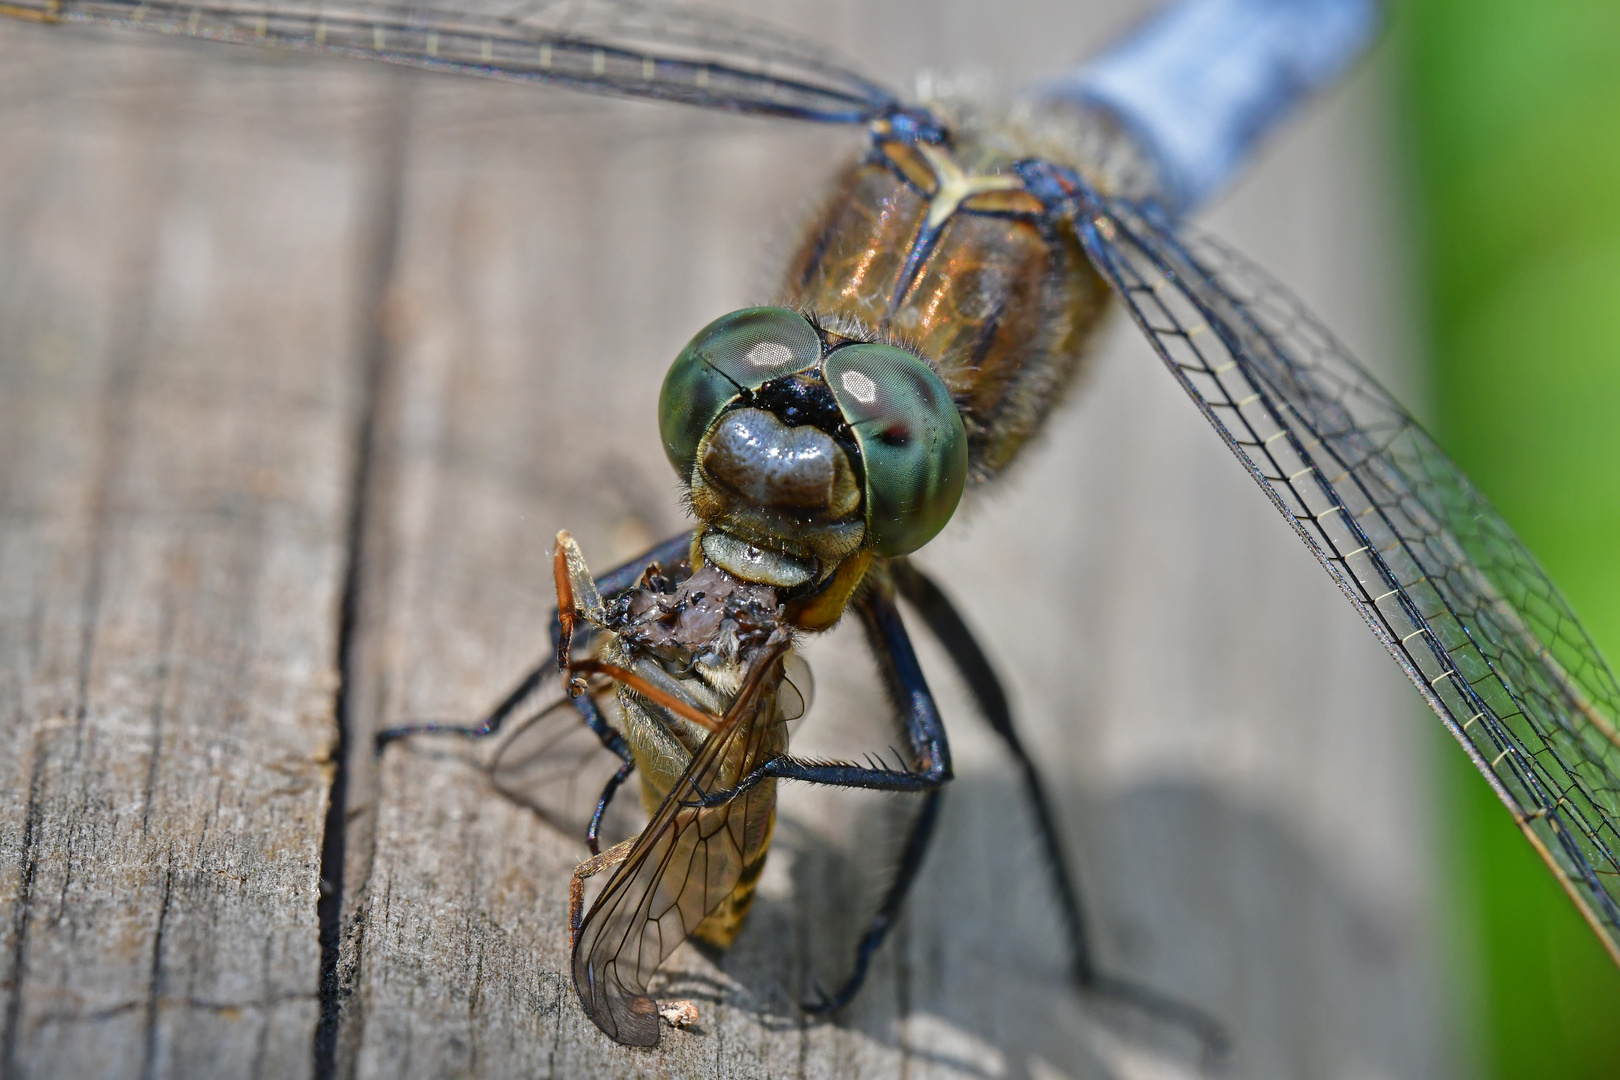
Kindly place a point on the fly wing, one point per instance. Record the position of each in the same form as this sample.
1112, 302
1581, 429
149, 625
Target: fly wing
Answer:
557, 766
1433, 569
624, 47
686, 861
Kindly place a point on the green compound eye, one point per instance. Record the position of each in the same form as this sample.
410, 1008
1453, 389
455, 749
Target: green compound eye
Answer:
737, 352
911, 439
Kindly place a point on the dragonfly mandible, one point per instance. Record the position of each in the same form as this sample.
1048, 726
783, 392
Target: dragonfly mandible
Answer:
1435, 573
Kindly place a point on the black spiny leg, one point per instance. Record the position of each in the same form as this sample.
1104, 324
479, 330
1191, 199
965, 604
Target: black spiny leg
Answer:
930, 753
930, 768
617, 580
922, 830
952, 632
615, 742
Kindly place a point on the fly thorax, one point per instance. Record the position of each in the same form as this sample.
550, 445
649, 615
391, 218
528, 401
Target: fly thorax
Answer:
694, 640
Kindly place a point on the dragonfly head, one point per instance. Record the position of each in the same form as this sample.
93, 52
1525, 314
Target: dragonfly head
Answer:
807, 453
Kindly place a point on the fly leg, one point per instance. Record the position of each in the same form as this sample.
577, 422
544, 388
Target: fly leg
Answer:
617, 580
948, 627
588, 712
592, 866
614, 742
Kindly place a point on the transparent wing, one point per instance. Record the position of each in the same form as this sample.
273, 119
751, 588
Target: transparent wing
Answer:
1434, 570
557, 766
624, 47
683, 865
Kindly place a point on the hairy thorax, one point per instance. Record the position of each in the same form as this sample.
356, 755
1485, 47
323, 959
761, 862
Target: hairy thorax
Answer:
943, 248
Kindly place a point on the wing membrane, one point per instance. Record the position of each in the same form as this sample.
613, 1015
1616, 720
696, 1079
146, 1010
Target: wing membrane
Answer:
623, 47
556, 766
683, 865
1433, 569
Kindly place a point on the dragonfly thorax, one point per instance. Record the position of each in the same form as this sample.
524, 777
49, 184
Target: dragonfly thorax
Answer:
951, 247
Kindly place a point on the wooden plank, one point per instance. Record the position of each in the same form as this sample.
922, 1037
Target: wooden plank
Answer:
176, 427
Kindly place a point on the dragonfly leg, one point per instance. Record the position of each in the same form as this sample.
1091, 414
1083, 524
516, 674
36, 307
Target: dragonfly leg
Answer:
615, 742
592, 866
922, 830
927, 773
930, 752
615, 581
949, 628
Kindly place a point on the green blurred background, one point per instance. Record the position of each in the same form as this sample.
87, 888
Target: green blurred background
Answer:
1512, 112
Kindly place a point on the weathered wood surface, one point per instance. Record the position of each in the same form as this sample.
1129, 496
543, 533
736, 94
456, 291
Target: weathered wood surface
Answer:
202, 428
176, 434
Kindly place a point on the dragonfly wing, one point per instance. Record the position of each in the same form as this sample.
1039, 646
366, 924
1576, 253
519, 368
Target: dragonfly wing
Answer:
623, 47
684, 864
1433, 569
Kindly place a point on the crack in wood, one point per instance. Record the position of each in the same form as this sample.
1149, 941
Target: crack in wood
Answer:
339, 911
29, 859
154, 992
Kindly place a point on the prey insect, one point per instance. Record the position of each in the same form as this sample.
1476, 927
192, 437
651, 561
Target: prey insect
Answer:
701, 669
706, 684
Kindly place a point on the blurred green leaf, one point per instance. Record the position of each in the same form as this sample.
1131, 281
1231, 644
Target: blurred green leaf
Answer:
1513, 109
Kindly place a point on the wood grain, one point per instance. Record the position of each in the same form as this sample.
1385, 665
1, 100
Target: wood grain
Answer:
176, 404
304, 367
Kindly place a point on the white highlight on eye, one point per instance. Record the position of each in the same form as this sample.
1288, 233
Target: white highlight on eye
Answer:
769, 354
860, 387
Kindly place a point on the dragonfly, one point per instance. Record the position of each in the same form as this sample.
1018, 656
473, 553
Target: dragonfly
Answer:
1435, 573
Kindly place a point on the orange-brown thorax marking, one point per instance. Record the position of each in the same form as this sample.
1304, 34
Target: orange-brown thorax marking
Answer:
966, 266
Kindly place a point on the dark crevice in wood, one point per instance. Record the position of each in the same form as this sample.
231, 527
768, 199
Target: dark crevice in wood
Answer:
474, 999
329, 909
165, 664
154, 993
337, 1031
29, 859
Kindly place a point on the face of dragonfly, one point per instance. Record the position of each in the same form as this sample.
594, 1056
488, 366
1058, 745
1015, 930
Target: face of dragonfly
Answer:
806, 452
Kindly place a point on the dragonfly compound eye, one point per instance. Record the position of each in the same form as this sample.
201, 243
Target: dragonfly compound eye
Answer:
732, 356
912, 442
